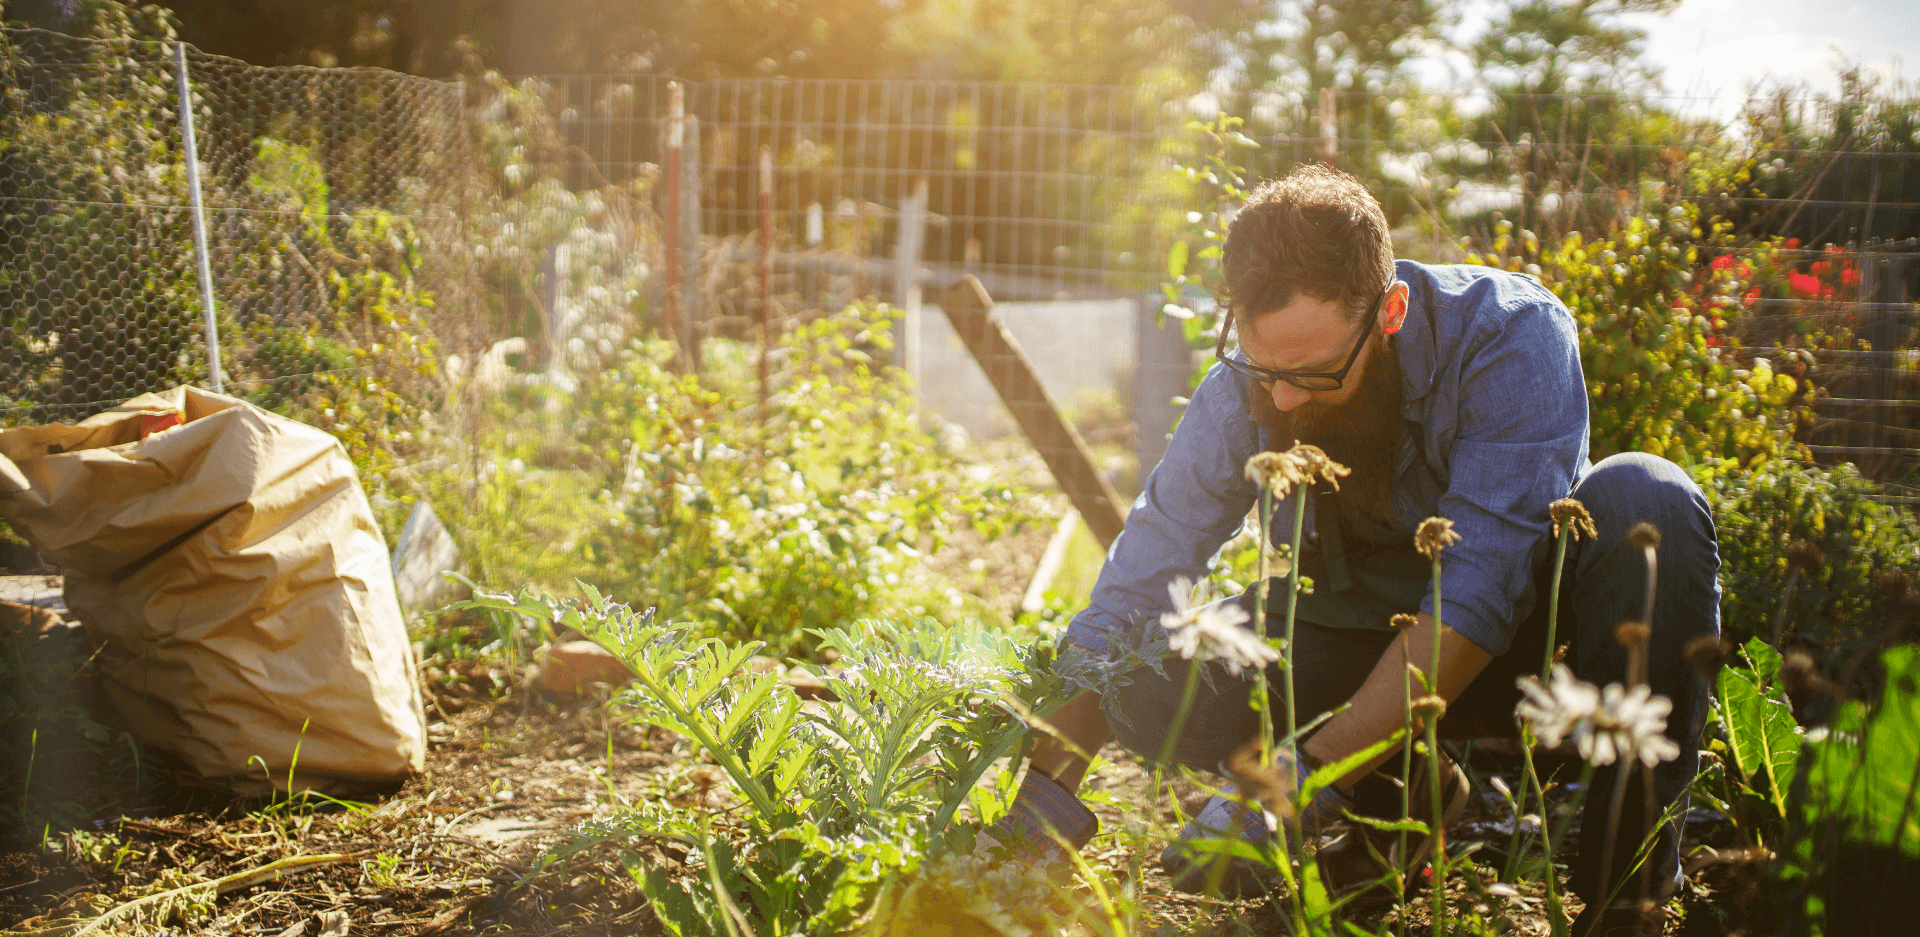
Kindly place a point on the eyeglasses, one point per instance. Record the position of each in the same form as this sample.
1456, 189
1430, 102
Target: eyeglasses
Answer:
1305, 380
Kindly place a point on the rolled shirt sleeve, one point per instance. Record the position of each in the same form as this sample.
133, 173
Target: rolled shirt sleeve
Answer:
1193, 502
1518, 444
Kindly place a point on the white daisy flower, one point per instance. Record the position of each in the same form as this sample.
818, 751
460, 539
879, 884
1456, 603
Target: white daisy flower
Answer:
1616, 723
1212, 630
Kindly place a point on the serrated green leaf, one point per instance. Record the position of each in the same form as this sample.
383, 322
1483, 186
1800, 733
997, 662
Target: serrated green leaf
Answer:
1760, 727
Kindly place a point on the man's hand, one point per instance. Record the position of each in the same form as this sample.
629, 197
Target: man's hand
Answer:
1082, 729
1379, 706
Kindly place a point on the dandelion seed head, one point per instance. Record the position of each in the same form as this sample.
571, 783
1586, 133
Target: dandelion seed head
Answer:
1434, 535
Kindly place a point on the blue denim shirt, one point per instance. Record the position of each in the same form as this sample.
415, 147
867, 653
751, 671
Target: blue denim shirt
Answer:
1497, 411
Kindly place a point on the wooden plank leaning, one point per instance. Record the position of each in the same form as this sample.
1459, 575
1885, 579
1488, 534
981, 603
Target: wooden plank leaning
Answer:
970, 309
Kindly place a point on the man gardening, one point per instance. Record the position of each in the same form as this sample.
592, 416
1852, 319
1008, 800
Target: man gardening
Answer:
1449, 391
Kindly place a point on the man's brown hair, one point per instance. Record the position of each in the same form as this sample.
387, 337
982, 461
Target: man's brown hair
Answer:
1316, 231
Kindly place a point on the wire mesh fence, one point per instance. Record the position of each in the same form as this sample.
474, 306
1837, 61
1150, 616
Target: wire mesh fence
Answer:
334, 213
1046, 193
375, 229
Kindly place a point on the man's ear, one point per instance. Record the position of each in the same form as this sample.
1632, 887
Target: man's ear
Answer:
1393, 309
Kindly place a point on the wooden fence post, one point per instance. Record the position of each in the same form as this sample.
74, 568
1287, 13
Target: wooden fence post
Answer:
970, 310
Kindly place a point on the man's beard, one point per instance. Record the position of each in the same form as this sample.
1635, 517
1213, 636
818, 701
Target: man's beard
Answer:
1361, 434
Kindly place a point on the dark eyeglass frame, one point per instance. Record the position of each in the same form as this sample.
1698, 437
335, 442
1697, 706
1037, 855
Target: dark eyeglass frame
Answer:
1305, 380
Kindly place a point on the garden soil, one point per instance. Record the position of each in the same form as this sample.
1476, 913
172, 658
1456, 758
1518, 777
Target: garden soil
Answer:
509, 769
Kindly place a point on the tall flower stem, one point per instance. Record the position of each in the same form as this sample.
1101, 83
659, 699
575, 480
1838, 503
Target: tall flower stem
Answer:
1406, 770
1556, 905
1179, 723
1438, 897
1293, 601
1261, 703
1564, 534
1434, 535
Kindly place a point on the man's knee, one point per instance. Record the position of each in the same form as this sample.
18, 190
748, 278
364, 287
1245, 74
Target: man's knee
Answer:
1633, 487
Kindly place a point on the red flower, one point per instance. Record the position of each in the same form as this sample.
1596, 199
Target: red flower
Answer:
1850, 277
1723, 262
1803, 285
1820, 268
1753, 295
1793, 242
1744, 271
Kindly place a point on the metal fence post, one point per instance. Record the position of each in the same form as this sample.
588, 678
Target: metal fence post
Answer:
906, 277
670, 252
689, 235
216, 379
766, 269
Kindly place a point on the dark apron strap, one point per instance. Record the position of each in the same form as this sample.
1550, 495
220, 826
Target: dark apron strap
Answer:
1333, 548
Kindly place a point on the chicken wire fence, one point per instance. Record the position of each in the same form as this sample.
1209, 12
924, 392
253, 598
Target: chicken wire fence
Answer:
348, 207
784, 198
333, 211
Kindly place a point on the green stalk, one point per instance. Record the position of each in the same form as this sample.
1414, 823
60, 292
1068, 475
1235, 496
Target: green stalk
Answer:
1261, 704
1406, 778
728, 760
1179, 722
1553, 595
1556, 908
1437, 898
1293, 598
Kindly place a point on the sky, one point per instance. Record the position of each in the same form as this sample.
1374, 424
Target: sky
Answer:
1716, 48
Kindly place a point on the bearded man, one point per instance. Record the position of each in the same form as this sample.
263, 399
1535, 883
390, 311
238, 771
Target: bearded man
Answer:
1450, 391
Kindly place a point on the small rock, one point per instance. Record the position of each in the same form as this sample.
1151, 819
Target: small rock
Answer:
808, 685
575, 665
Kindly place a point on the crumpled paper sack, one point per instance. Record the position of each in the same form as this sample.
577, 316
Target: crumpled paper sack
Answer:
226, 561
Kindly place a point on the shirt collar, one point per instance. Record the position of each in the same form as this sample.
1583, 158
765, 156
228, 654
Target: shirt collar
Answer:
1416, 341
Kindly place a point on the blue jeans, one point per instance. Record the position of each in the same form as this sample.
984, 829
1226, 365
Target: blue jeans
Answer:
1604, 585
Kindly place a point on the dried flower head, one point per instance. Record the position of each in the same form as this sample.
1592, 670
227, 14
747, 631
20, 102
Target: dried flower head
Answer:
1614, 724
1644, 535
1707, 654
1630, 633
1435, 534
1802, 676
1571, 516
1429, 708
1805, 556
1212, 630
1402, 621
1281, 472
1895, 584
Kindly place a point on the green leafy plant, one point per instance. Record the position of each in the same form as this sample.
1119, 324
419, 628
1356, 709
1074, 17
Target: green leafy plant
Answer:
1854, 819
1838, 608
1762, 739
844, 803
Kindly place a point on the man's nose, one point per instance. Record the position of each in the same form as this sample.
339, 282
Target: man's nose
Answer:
1286, 396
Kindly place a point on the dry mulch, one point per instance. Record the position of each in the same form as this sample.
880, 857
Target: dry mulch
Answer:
510, 769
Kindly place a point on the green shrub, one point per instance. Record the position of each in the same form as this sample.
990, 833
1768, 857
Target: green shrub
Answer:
1661, 332
644, 482
1761, 512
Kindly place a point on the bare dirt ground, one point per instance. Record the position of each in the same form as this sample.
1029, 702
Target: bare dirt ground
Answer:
510, 769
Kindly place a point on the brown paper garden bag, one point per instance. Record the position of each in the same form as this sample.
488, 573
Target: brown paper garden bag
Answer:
227, 563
